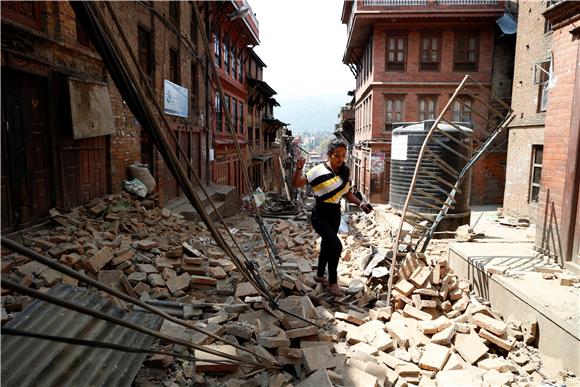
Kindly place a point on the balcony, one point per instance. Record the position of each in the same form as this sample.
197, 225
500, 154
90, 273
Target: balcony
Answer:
414, 3
361, 15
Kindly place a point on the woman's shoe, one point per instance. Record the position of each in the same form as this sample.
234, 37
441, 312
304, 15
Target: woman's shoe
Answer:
335, 290
321, 280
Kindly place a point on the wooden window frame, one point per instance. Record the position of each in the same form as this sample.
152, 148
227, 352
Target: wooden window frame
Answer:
542, 78
465, 109
426, 97
218, 114
535, 186
148, 60
396, 65
194, 87
174, 70
174, 12
217, 49
429, 64
241, 113
226, 55
461, 61
394, 98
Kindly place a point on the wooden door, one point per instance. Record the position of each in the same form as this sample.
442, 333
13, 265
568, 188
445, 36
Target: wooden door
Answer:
27, 188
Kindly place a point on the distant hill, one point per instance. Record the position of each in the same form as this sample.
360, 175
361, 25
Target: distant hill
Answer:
315, 113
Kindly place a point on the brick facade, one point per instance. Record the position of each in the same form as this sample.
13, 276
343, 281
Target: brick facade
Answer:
558, 228
526, 130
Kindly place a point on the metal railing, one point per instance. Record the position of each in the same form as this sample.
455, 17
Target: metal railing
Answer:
393, 3
466, 2
413, 3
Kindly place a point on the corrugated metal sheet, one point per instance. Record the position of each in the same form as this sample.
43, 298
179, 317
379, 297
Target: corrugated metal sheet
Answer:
34, 362
507, 24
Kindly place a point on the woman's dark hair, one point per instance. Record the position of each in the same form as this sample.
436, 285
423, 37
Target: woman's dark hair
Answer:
344, 171
336, 143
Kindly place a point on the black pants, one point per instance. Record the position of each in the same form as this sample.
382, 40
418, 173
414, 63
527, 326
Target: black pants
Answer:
326, 220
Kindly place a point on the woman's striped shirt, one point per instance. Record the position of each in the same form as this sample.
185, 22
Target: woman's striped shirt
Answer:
327, 186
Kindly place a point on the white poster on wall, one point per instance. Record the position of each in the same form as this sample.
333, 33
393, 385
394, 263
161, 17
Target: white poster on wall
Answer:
399, 147
176, 99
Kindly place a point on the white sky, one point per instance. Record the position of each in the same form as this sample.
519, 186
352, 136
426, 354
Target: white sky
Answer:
302, 43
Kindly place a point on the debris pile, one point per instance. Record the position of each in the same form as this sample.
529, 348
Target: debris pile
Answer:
436, 332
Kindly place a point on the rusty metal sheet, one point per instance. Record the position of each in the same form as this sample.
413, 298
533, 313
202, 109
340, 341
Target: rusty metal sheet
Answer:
91, 111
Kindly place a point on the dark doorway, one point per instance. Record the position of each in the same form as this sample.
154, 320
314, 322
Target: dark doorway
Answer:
27, 189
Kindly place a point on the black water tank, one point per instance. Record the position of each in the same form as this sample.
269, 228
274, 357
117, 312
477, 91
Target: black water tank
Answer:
406, 145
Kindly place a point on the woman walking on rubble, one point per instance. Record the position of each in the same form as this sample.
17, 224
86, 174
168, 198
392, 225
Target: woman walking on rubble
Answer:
330, 181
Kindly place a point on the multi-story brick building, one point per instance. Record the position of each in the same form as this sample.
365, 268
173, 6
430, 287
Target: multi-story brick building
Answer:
54, 156
409, 56
558, 209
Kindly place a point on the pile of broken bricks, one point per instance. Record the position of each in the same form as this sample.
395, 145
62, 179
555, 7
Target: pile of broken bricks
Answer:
435, 333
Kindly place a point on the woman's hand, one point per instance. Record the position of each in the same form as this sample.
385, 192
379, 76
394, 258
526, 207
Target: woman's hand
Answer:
366, 207
299, 180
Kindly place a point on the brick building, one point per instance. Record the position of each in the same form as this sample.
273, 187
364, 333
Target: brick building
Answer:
558, 213
529, 102
408, 58
62, 149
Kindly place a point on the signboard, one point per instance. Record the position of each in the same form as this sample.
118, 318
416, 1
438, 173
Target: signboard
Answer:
399, 147
176, 99
378, 162
90, 106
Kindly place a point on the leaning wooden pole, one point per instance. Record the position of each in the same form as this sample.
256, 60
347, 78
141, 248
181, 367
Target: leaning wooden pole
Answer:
412, 187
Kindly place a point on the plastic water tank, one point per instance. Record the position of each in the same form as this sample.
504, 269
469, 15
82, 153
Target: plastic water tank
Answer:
406, 145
